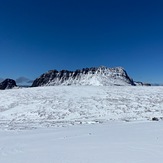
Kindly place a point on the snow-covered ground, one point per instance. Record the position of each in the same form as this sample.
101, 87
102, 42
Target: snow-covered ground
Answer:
68, 105
81, 124
99, 143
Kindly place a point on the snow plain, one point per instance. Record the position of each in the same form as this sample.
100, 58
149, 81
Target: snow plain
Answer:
69, 105
94, 143
86, 124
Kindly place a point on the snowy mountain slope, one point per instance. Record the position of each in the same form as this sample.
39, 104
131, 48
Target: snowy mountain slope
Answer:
68, 105
101, 76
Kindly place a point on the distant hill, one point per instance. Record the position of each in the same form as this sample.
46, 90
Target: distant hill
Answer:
23, 81
155, 84
7, 84
141, 83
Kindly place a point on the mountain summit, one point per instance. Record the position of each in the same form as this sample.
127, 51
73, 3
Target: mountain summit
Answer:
96, 76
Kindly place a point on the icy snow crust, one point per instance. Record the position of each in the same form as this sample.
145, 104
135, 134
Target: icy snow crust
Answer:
69, 105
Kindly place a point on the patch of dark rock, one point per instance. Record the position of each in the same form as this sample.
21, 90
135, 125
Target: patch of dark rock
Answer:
155, 119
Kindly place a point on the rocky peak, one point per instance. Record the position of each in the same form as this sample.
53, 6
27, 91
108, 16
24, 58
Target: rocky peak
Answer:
7, 84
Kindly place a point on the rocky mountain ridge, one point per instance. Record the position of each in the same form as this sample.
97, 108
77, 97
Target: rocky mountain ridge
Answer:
96, 76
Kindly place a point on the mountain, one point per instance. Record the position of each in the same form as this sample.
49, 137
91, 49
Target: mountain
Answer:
96, 76
156, 84
23, 81
7, 84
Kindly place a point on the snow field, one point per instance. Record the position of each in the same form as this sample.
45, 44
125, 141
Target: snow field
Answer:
56, 114
69, 105
107, 143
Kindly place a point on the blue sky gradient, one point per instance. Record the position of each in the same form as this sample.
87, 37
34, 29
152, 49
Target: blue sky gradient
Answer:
36, 36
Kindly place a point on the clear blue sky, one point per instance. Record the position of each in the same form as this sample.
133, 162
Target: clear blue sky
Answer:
39, 35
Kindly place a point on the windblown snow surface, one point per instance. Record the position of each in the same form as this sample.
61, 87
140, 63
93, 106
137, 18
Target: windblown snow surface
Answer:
86, 124
68, 105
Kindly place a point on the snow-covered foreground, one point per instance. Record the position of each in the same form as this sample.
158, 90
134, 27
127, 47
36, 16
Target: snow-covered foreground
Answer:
99, 143
89, 125
69, 105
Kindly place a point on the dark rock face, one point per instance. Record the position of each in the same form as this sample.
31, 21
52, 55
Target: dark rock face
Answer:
7, 84
155, 119
86, 76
